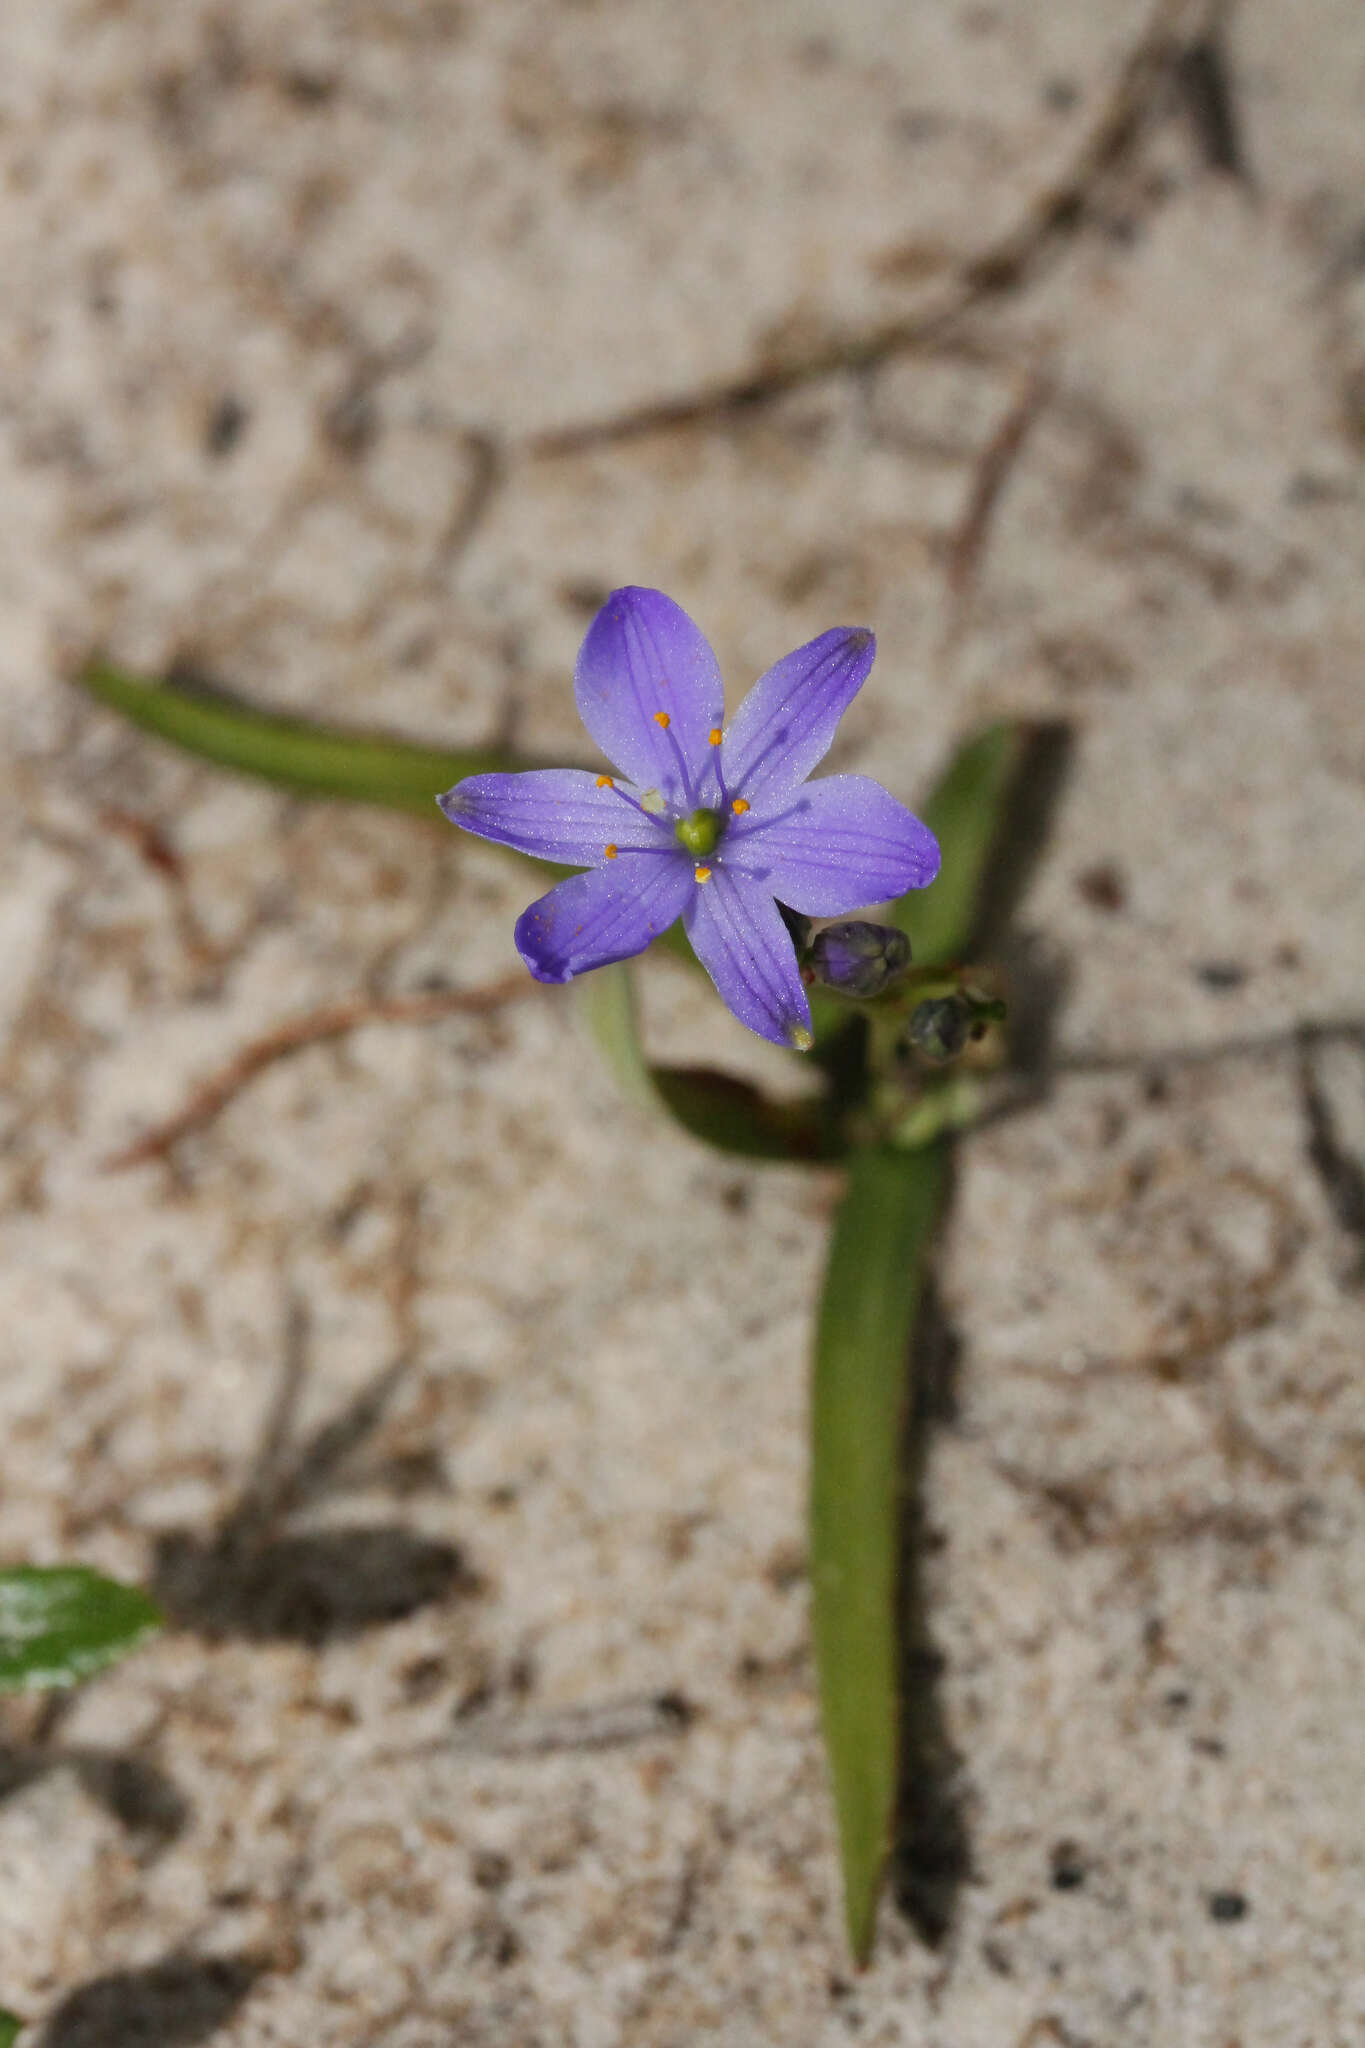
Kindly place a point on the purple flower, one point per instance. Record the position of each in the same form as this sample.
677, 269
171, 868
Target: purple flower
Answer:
709, 823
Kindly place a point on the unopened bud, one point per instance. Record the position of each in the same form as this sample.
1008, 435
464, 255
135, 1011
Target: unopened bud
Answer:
939, 1028
859, 959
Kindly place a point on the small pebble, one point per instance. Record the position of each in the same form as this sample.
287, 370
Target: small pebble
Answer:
1220, 975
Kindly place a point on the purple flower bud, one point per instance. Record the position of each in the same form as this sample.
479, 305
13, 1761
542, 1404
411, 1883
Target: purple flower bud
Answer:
859, 959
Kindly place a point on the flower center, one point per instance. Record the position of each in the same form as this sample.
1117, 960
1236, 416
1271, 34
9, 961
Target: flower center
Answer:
699, 832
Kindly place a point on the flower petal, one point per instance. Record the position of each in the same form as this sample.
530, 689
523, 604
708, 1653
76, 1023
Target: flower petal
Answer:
609, 913
841, 843
554, 813
642, 660
785, 724
738, 935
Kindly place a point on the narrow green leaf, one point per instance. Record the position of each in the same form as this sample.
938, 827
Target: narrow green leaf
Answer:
992, 811
9, 2028
730, 1115
60, 1624
606, 1003
877, 1258
965, 810
314, 759
736, 1117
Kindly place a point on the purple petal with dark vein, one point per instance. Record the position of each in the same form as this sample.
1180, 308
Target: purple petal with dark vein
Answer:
554, 813
609, 913
644, 657
785, 724
738, 935
841, 843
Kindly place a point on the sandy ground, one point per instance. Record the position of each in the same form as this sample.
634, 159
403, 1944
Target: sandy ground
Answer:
489, 1718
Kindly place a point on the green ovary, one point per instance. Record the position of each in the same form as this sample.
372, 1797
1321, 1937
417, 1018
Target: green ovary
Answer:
700, 832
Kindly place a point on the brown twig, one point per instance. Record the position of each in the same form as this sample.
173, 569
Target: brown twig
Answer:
313, 1028
1207, 87
153, 846
148, 841
1172, 28
989, 477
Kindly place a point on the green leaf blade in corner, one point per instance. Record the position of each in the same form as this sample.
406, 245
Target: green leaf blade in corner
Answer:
294, 753
873, 1280
10, 2029
63, 1623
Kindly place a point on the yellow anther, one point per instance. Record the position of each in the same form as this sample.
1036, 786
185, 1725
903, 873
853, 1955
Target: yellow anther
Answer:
715, 736
701, 874
605, 782
610, 852
739, 806
662, 719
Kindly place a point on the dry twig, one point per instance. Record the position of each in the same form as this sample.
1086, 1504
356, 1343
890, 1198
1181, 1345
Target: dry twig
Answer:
1173, 27
989, 478
313, 1028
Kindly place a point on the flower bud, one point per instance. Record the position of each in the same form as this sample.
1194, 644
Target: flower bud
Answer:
859, 959
939, 1028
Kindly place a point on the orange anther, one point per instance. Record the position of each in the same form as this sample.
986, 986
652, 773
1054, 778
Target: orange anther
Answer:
610, 852
701, 874
740, 805
605, 782
715, 736
662, 719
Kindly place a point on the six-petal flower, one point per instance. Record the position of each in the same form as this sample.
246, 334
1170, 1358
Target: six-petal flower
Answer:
713, 825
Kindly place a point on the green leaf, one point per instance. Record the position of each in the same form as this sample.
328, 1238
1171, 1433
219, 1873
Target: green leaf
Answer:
736, 1117
9, 2028
59, 1625
315, 760
606, 1003
875, 1272
965, 811
731, 1115
992, 811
